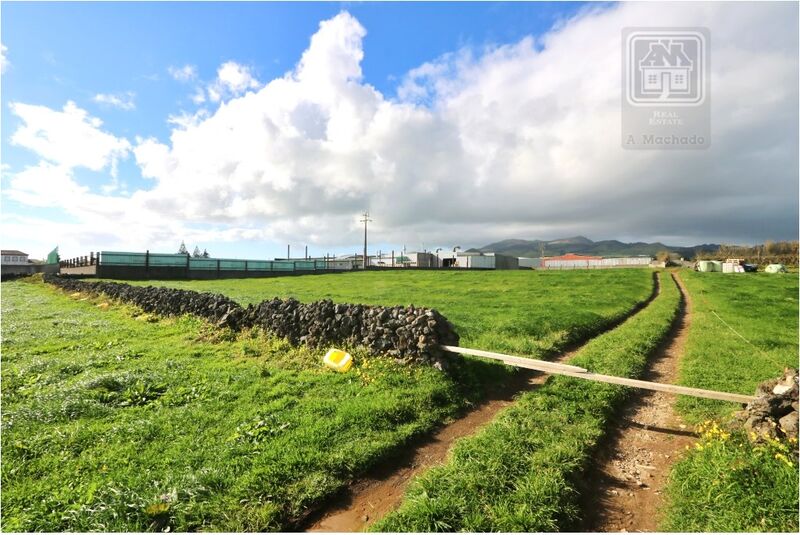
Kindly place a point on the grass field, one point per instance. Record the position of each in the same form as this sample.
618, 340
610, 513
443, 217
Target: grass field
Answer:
119, 421
744, 331
520, 472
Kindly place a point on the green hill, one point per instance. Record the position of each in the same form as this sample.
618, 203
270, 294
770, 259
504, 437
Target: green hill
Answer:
583, 245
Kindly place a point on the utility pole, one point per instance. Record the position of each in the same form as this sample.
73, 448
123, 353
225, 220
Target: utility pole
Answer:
288, 252
306, 252
365, 221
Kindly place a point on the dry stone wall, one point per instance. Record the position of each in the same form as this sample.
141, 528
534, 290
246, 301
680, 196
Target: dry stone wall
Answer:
774, 412
408, 333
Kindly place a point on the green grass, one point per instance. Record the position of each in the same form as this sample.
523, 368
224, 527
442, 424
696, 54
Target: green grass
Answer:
731, 484
118, 421
534, 313
728, 484
763, 309
520, 472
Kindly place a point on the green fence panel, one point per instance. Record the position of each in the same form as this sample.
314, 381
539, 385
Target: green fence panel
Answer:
161, 260
206, 264
305, 265
237, 265
259, 265
114, 258
282, 265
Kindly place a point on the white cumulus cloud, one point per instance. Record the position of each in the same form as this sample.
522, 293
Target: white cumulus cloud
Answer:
232, 79
69, 138
236, 78
45, 185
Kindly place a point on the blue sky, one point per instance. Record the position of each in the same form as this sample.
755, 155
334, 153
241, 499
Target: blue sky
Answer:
116, 62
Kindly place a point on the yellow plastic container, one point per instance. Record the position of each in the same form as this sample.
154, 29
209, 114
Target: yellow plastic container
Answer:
338, 360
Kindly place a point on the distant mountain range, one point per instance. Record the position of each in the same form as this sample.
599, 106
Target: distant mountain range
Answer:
583, 245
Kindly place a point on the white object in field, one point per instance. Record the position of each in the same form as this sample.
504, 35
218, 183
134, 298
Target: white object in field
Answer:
775, 268
731, 267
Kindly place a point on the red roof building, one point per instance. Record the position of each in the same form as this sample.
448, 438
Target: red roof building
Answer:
572, 256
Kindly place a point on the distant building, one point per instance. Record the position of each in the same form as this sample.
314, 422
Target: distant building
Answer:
577, 261
572, 256
410, 259
475, 260
17, 263
529, 263
12, 257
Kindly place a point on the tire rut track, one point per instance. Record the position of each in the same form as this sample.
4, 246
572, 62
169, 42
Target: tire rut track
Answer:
381, 491
626, 480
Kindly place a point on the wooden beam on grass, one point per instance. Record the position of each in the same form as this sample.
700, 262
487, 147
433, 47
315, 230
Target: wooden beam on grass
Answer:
583, 373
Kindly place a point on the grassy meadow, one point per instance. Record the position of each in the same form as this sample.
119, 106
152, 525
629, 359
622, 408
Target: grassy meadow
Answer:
114, 420
744, 331
531, 313
520, 473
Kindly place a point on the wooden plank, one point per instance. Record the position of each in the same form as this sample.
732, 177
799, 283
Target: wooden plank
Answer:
582, 373
522, 362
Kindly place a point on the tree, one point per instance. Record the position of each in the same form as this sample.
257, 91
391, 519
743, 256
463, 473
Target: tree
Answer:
182, 249
662, 256
196, 253
205, 254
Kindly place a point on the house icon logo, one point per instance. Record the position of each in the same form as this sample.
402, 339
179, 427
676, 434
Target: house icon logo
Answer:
665, 68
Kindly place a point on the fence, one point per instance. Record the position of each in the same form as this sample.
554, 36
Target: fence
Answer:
130, 265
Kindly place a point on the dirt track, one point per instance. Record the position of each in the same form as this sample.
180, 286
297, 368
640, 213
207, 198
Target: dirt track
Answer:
372, 497
629, 473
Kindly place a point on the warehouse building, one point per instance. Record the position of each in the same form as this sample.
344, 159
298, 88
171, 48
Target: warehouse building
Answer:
475, 260
576, 261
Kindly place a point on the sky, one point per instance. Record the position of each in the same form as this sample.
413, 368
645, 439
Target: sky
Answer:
243, 127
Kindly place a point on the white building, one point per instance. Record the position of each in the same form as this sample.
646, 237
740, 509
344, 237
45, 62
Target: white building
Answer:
12, 257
